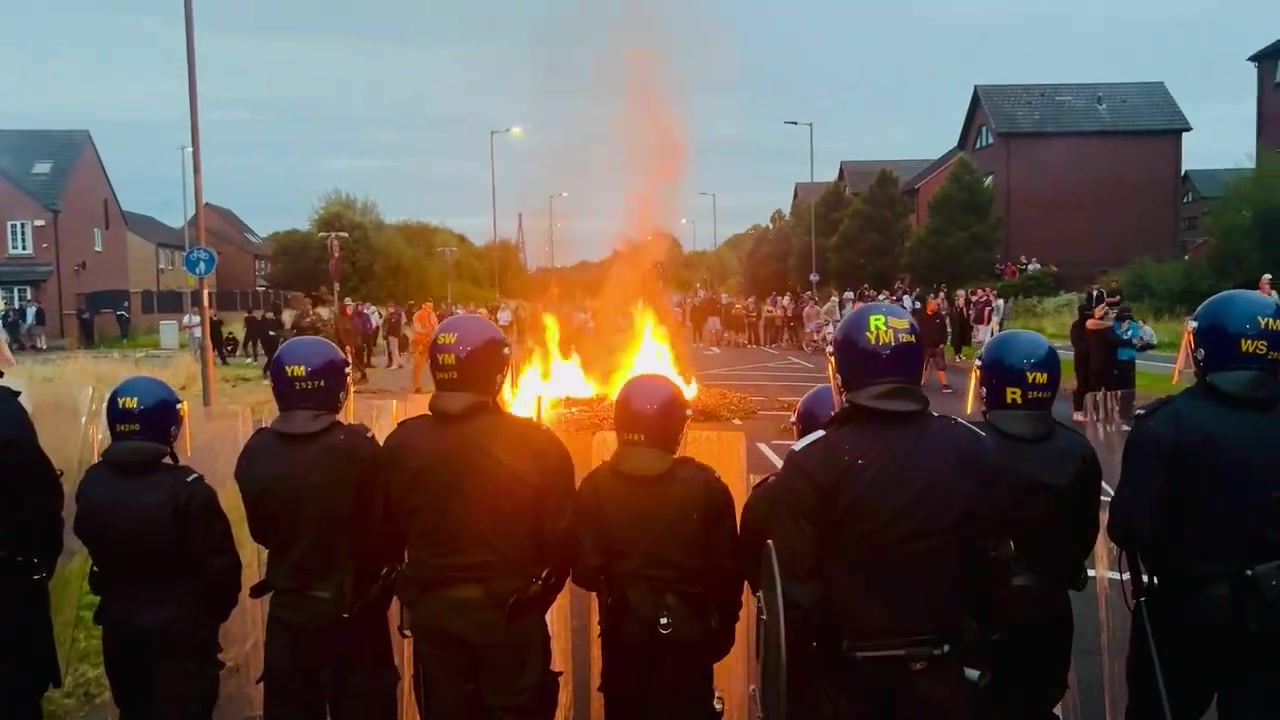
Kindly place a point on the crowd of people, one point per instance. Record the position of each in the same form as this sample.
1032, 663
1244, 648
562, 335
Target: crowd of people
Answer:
1106, 339
24, 325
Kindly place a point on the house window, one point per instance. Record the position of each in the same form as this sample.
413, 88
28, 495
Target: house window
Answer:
989, 180
14, 294
1278, 72
97, 239
41, 167
160, 258
984, 138
1190, 223
1188, 197
19, 235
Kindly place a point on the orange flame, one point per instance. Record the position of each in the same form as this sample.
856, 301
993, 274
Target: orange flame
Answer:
548, 378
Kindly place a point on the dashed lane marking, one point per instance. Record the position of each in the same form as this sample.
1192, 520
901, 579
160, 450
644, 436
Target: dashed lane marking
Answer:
783, 399
774, 384
766, 373
777, 365
770, 454
1110, 490
770, 350
735, 421
772, 412
802, 362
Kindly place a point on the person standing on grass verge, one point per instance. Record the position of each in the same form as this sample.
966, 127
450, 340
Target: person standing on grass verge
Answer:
961, 325
252, 337
1080, 355
195, 332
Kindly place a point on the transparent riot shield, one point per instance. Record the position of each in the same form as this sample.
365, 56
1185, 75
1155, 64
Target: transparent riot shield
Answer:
211, 444
67, 417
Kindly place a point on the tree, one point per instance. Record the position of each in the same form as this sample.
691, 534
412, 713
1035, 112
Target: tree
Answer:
868, 246
1244, 226
299, 260
360, 218
829, 212
961, 238
765, 267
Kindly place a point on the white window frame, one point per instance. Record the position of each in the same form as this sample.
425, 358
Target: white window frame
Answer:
984, 138
24, 228
9, 294
1277, 78
1188, 197
989, 180
97, 239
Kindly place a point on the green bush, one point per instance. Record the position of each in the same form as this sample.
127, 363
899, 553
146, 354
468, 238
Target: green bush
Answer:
1037, 284
1052, 317
1171, 288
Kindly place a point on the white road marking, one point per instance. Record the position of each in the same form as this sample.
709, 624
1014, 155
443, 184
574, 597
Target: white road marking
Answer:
795, 373
781, 364
772, 412
735, 421
1111, 574
769, 453
802, 362
770, 350
1110, 491
711, 351
782, 442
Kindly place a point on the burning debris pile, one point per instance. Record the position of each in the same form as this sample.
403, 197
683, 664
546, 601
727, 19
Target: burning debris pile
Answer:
559, 390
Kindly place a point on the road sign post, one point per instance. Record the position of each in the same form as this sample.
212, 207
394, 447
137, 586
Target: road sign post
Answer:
813, 278
200, 262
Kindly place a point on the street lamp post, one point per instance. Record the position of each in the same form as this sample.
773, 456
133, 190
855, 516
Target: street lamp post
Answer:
493, 197
186, 224
813, 225
551, 227
207, 381
715, 230
332, 239
448, 281
694, 223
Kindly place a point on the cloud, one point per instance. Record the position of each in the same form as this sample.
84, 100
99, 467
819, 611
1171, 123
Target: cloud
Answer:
357, 163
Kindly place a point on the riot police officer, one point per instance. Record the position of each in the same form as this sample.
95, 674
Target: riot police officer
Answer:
884, 536
31, 501
316, 500
1050, 503
657, 544
485, 500
164, 560
810, 415
1198, 507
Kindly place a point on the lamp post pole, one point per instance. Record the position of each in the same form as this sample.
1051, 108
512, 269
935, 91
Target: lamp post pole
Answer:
207, 381
551, 227
694, 223
493, 199
186, 225
715, 228
448, 282
813, 225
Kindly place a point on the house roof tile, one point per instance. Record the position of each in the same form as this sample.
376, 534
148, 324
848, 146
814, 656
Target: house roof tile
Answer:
1079, 108
153, 230
1212, 183
857, 175
39, 162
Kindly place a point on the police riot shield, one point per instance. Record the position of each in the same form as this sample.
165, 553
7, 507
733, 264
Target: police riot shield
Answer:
770, 692
67, 420
210, 443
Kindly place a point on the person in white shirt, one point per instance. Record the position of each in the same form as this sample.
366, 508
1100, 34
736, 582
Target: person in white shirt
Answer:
1033, 266
504, 319
997, 312
195, 332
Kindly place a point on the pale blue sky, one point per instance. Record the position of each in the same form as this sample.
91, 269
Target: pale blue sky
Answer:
395, 98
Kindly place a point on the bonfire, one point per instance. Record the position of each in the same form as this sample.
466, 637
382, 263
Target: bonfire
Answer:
557, 389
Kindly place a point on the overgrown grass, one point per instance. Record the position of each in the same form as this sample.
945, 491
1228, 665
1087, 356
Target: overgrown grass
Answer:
1052, 317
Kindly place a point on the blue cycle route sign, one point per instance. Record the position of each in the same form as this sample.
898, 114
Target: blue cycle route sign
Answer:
200, 262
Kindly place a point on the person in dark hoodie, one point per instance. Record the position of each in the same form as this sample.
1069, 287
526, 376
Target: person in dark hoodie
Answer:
316, 501
933, 334
164, 560
1080, 353
271, 334
657, 544
484, 499
1049, 498
31, 525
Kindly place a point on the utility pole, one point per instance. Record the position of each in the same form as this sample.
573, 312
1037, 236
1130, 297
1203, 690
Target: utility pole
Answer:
493, 197
813, 213
694, 223
448, 282
334, 241
207, 381
186, 224
524, 254
715, 232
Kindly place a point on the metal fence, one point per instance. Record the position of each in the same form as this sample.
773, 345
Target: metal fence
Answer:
210, 443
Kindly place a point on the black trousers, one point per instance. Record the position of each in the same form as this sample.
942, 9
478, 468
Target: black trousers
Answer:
895, 690
344, 670
28, 654
1082, 384
637, 685
269, 347
162, 674
479, 664
1032, 664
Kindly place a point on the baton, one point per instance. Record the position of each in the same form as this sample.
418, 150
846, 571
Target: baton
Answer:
1140, 602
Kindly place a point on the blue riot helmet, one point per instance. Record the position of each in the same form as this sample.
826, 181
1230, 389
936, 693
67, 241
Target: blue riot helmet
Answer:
813, 411
1018, 370
1235, 339
145, 409
470, 355
876, 356
651, 411
310, 373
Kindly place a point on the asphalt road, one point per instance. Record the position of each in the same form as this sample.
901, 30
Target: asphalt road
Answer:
777, 378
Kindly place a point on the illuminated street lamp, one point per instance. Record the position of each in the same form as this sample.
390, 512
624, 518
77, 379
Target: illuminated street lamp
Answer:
516, 131
551, 227
694, 223
813, 226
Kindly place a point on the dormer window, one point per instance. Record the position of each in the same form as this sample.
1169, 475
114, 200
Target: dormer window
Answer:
984, 138
1188, 197
41, 167
1278, 72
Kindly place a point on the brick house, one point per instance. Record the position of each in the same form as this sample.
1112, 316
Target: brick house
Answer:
1200, 189
155, 255
65, 234
1266, 63
920, 188
244, 258
857, 175
1086, 176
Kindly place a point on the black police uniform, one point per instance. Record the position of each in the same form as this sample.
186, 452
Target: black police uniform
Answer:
1050, 504
31, 501
166, 568
1198, 502
885, 539
316, 500
485, 500
658, 545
